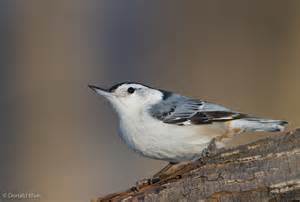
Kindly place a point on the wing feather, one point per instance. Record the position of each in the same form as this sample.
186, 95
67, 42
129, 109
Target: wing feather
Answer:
186, 111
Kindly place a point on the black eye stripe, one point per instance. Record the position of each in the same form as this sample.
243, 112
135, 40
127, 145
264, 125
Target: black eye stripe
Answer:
130, 90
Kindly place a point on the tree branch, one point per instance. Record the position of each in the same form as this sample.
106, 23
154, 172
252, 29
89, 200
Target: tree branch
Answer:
266, 170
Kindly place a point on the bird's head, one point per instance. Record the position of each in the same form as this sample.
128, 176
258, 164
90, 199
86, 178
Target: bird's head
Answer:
128, 97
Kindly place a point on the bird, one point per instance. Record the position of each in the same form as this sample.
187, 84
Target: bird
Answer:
164, 125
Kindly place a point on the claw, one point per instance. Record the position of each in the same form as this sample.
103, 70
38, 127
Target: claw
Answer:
154, 180
144, 183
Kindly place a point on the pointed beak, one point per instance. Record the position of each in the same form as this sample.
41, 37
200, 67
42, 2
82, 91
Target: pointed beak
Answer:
100, 91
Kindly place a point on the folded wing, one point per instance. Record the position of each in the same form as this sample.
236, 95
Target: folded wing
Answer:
187, 111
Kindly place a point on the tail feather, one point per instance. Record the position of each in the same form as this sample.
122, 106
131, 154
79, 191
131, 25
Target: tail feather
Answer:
252, 124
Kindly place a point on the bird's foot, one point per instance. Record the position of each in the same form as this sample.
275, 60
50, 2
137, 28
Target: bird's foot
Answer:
205, 153
209, 151
144, 183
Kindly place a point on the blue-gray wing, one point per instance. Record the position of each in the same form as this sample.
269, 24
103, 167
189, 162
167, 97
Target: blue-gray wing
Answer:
186, 111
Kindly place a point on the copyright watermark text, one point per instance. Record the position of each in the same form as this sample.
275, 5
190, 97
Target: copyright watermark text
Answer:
20, 195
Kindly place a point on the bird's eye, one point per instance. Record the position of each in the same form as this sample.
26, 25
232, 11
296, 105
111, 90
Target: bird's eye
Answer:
130, 90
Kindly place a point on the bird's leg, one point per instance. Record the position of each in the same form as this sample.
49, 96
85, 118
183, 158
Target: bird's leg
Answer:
212, 148
156, 177
172, 170
163, 172
209, 150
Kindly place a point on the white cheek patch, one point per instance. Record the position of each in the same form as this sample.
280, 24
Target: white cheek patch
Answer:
121, 93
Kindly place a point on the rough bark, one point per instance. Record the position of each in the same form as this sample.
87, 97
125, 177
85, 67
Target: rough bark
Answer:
266, 170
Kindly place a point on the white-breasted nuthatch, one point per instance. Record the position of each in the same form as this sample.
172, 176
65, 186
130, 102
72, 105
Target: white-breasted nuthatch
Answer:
167, 126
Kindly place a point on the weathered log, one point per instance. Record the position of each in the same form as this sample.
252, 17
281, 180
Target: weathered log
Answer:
265, 170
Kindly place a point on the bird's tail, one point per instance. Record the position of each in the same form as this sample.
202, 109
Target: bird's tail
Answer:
252, 124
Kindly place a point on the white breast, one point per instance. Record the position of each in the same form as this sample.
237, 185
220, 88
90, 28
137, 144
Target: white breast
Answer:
155, 139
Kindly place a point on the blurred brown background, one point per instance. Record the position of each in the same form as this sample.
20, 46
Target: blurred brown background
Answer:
60, 140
